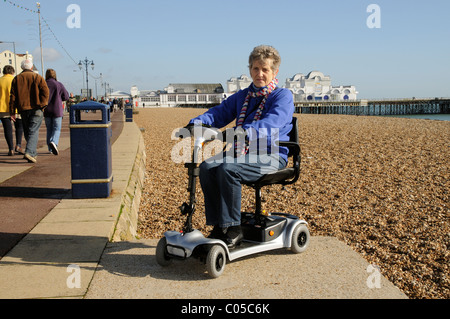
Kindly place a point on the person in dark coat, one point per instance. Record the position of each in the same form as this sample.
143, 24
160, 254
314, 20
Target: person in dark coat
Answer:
53, 113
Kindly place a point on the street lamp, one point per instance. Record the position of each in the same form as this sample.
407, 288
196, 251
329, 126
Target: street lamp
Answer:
86, 62
15, 56
106, 86
40, 36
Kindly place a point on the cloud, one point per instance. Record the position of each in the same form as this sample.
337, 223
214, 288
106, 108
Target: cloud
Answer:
50, 54
104, 50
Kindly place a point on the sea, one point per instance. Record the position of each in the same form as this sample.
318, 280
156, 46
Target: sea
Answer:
435, 117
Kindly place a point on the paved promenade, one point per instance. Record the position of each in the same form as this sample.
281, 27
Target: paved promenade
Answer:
43, 230
53, 246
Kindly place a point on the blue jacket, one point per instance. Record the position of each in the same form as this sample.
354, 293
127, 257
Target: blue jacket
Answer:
276, 117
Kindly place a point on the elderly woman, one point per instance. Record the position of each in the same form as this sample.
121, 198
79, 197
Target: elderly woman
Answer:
264, 111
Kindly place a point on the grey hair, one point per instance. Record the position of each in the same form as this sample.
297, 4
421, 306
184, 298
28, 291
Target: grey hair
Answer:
263, 52
26, 65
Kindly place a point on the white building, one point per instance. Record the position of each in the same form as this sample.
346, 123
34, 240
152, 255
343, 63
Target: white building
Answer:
313, 87
240, 83
7, 58
118, 95
180, 94
317, 87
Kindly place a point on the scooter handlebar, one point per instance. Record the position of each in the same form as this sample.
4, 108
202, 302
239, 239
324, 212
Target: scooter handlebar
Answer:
203, 131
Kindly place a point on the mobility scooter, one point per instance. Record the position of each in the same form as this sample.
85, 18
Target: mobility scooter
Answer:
262, 232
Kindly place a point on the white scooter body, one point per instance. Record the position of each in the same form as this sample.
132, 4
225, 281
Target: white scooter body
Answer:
182, 245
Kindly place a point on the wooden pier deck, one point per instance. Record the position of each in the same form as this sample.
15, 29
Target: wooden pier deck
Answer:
376, 107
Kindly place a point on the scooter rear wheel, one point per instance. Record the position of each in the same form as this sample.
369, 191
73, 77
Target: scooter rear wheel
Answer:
216, 261
161, 253
300, 239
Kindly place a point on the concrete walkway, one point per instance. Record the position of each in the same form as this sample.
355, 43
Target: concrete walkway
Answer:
328, 269
71, 238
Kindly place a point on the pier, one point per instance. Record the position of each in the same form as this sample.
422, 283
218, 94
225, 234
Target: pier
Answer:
376, 107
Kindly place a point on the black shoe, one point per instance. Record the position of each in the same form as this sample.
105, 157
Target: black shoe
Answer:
234, 236
217, 233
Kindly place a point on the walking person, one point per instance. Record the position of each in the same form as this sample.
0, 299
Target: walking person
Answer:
115, 104
5, 89
71, 101
54, 112
29, 96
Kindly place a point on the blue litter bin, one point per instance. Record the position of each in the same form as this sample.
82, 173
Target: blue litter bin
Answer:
90, 149
128, 112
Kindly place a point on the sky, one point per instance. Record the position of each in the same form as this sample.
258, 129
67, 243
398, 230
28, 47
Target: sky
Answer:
400, 49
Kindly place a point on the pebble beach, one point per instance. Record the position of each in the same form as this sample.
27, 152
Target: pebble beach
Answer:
379, 184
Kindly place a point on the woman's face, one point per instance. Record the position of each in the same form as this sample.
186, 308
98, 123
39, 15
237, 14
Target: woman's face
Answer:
262, 73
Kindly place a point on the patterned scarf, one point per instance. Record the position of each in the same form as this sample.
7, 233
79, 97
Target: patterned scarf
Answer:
265, 92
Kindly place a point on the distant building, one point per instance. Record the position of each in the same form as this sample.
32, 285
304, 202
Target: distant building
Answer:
313, 87
240, 83
317, 87
7, 58
180, 94
118, 95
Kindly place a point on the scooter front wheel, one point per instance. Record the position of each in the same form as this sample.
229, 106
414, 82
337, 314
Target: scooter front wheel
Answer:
216, 261
161, 253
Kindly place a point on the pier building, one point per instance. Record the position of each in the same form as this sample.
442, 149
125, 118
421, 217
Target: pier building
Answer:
180, 95
313, 87
235, 84
317, 87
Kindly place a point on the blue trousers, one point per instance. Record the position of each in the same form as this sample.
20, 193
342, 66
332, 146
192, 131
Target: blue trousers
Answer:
32, 121
53, 125
221, 178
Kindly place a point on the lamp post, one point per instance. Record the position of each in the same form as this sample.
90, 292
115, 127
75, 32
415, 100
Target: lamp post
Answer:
106, 86
86, 62
40, 37
15, 56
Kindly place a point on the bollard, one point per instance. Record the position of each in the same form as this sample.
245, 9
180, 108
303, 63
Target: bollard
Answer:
129, 112
90, 149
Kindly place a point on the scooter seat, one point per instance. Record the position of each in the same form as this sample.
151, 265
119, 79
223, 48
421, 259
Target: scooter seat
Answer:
286, 176
276, 177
